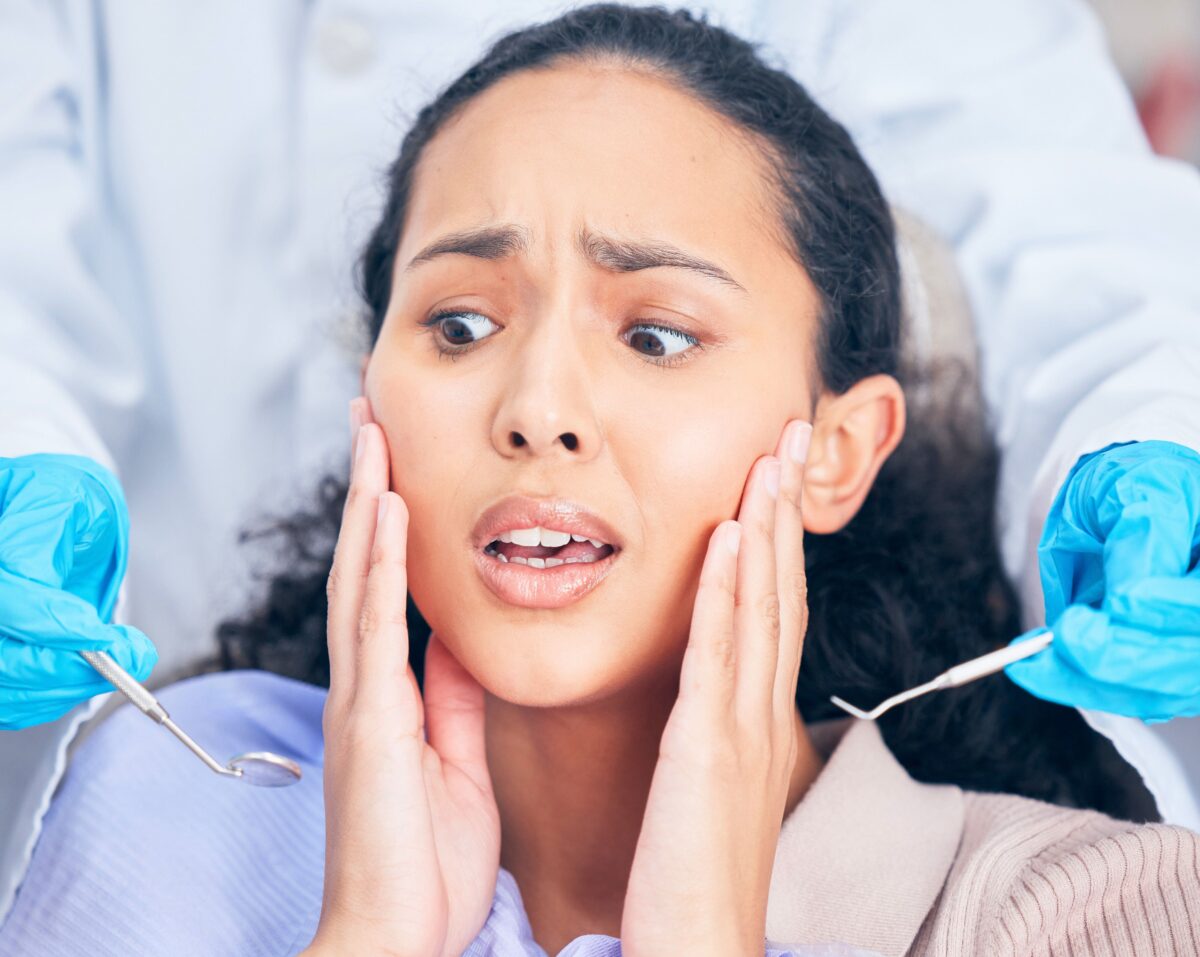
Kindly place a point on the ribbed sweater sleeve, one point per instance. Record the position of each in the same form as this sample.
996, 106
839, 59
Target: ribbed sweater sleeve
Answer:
1032, 879
1136, 893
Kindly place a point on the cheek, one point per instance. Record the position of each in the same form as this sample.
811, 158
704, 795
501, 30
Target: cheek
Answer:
687, 465
690, 474
694, 457
426, 423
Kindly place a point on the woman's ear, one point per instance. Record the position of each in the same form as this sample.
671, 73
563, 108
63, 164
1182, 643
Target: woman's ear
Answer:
853, 434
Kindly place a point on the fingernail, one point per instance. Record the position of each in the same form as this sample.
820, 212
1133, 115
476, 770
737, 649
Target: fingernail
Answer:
360, 443
733, 536
798, 441
771, 477
383, 507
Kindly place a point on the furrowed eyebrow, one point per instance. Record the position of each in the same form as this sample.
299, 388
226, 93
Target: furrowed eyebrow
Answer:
626, 256
500, 242
487, 242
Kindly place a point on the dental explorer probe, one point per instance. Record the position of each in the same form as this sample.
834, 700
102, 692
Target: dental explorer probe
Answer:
255, 767
962, 674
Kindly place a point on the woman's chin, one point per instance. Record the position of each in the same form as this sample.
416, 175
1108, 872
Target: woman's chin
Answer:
553, 668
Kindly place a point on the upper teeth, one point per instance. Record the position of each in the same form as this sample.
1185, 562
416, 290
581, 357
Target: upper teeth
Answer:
548, 537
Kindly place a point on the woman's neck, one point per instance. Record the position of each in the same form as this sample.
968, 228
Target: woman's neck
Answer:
571, 785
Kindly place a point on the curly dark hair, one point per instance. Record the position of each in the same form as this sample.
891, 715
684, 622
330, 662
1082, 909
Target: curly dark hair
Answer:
914, 583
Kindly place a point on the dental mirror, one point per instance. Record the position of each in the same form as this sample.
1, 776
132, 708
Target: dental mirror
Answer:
266, 770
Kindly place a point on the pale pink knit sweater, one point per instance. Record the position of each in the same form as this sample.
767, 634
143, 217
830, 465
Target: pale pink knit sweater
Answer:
873, 859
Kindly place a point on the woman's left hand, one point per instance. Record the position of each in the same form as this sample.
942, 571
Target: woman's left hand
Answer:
702, 867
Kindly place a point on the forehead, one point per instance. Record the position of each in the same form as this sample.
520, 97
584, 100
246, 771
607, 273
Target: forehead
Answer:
602, 147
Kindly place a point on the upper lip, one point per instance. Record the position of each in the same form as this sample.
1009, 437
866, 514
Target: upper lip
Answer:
520, 511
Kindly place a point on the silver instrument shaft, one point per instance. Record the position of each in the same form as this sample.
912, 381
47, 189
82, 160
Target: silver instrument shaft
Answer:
961, 674
145, 702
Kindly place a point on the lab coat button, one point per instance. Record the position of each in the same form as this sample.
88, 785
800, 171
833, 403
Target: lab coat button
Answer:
345, 45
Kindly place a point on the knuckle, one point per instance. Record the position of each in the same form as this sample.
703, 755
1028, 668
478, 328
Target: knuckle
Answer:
792, 495
728, 587
373, 621
765, 524
724, 652
368, 621
333, 584
768, 612
741, 599
386, 558
721, 584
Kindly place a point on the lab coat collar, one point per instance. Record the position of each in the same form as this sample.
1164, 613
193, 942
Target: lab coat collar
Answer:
863, 856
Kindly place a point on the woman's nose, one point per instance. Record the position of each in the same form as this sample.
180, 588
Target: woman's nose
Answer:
547, 408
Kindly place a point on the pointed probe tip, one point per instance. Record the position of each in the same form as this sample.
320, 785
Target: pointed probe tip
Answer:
850, 709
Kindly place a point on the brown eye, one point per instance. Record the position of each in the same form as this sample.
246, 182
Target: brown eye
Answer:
456, 331
660, 342
459, 328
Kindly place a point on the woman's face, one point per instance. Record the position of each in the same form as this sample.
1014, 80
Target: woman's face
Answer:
593, 309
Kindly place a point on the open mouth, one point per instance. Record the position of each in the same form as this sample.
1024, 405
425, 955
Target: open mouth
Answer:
546, 548
543, 553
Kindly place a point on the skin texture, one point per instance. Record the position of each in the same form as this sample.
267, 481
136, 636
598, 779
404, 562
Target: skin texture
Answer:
562, 742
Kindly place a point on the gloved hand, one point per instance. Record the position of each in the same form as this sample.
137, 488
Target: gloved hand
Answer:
1118, 561
64, 534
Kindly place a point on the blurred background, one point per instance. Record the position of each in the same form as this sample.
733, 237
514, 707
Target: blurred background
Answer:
1156, 44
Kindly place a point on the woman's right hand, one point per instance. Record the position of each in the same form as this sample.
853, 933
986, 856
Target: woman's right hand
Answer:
412, 831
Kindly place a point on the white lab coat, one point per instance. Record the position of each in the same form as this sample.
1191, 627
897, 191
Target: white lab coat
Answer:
183, 190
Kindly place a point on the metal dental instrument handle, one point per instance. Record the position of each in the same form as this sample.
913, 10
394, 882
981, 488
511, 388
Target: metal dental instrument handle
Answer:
962, 674
266, 769
145, 702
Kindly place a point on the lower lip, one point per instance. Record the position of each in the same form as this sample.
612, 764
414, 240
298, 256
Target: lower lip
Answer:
530, 587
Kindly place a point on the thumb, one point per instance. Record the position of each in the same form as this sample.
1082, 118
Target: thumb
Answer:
454, 718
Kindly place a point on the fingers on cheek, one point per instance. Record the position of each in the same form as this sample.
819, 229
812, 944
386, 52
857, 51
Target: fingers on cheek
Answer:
710, 663
757, 602
347, 578
757, 613
791, 582
386, 569
722, 598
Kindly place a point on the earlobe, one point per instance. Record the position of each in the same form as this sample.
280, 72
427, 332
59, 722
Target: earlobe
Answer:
853, 434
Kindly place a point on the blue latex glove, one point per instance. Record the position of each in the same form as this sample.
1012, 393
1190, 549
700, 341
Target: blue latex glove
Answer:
1118, 560
64, 534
